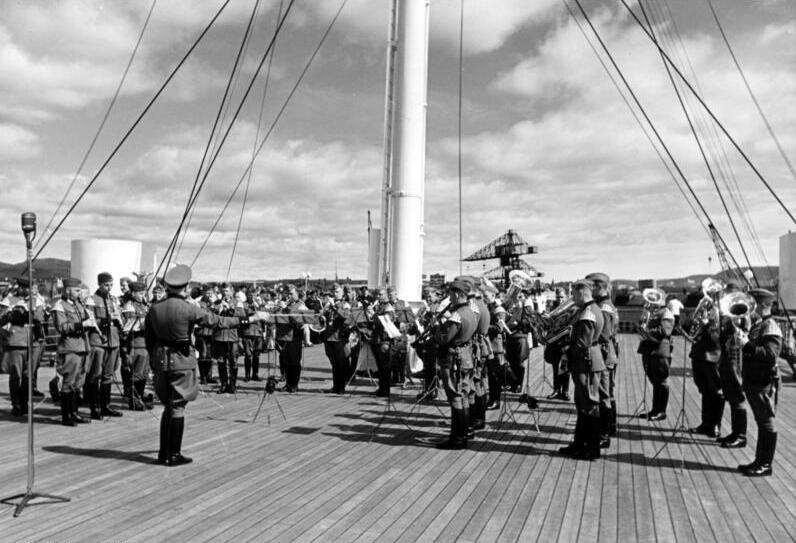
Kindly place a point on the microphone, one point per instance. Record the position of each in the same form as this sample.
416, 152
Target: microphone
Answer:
29, 226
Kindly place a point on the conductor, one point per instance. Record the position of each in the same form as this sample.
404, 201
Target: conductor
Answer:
167, 330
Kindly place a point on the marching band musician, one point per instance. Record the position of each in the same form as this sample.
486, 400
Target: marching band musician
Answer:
105, 346
72, 321
761, 349
137, 357
251, 340
609, 346
225, 341
517, 350
427, 349
335, 338
14, 316
552, 355
289, 341
482, 352
730, 375
656, 356
497, 366
705, 354
168, 327
203, 339
381, 342
453, 339
585, 363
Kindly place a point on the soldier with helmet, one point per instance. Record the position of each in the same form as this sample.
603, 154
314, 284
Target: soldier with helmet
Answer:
168, 327
610, 349
585, 363
453, 338
761, 349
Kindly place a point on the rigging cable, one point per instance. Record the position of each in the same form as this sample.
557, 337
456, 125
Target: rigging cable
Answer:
649, 121
461, 70
102, 122
133, 127
714, 143
170, 250
637, 119
270, 129
220, 146
709, 111
699, 144
751, 93
254, 147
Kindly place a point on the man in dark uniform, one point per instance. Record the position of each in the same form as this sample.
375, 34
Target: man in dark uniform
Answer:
497, 366
585, 363
517, 350
761, 349
168, 327
609, 346
225, 341
14, 318
290, 340
137, 357
72, 322
203, 338
730, 374
482, 350
105, 345
383, 315
427, 350
335, 338
656, 356
251, 338
553, 352
456, 361
705, 354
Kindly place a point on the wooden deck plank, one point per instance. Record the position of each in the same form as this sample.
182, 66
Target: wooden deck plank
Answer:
315, 478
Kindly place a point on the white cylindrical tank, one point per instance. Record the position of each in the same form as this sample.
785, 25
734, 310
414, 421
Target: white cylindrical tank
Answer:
119, 257
787, 270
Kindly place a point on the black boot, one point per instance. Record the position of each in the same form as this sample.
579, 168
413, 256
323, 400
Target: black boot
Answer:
717, 411
255, 366
91, 394
223, 377
737, 438
478, 413
233, 379
591, 448
127, 383
76, 417
176, 429
209, 372
758, 453
763, 466
66, 409
605, 426
55, 392
105, 402
164, 453
137, 400
469, 432
577, 442
612, 423
458, 435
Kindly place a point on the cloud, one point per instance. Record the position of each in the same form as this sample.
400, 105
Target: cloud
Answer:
17, 143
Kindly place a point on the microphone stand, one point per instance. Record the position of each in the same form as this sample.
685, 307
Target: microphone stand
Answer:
26, 498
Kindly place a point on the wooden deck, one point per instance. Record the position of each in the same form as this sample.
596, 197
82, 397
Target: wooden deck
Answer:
318, 476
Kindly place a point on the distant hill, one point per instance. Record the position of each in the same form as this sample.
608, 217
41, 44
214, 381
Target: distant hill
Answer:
44, 268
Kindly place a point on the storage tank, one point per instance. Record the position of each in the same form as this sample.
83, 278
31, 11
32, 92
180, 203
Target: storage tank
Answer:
119, 257
787, 270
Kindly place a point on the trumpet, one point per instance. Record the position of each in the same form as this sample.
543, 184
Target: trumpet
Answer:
653, 298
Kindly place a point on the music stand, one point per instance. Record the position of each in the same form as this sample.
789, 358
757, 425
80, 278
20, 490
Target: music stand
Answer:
507, 411
26, 498
642, 405
681, 422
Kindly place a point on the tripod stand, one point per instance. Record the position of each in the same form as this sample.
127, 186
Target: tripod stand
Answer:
27, 498
269, 386
681, 422
641, 408
506, 411
367, 354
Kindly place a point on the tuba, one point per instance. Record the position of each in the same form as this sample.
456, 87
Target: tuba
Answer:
558, 323
519, 281
653, 298
707, 310
738, 306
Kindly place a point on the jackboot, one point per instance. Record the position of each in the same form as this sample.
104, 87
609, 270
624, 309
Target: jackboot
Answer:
91, 394
469, 432
255, 367
127, 383
577, 442
612, 422
137, 400
66, 409
478, 413
233, 379
223, 378
247, 368
591, 448
177, 426
75, 412
209, 372
737, 438
201, 365
458, 434
55, 391
164, 453
717, 415
605, 425
763, 468
105, 402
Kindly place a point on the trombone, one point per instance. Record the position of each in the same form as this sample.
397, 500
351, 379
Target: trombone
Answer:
653, 298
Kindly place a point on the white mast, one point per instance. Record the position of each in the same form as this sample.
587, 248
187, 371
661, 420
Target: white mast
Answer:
408, 150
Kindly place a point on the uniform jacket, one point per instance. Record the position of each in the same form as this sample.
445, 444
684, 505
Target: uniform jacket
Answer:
107, 314
608, 333
15, 320
760, 354
253, 329
707, 346
585, 354
134, 314
336, 315
454, 335
497, 314
68, 316
659, 330
167, 332
228, 308
379, 334
292, 331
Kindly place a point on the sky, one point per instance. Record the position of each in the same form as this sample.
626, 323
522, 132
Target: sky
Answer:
549, 147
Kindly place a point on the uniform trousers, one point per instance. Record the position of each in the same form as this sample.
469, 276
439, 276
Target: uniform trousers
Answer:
70, 367
335, 352
657, 371
517, 353
101, 364
290, 360
15, 363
